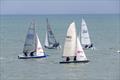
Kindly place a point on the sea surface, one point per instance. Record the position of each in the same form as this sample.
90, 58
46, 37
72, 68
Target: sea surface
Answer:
104, 30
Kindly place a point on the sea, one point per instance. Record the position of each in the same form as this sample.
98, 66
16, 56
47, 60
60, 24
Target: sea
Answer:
104, 30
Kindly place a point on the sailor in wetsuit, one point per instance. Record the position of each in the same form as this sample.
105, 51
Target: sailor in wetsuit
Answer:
25, 53
91, 45
74, 58
32, 53
86, 46
56, 45
67, 58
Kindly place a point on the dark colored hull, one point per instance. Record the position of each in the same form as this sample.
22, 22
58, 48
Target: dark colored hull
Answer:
30, 57
50, 47
67, 62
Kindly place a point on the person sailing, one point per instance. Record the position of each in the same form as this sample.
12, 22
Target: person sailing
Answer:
56, 45
25, 53
67, 58
91, 45
74, 58
32, 53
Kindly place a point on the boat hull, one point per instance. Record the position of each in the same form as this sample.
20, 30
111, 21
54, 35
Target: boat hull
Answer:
29, 57
67, 62
51, 47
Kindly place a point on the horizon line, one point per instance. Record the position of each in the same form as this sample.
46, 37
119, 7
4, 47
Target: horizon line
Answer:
61, 14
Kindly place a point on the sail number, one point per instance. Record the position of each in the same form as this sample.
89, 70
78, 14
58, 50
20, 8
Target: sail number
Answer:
68, 38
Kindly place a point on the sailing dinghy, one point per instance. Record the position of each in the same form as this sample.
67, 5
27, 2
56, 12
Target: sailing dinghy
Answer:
72, 47
85, 38
32, 47
50, 41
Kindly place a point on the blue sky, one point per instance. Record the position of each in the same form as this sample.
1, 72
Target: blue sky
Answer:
59, 6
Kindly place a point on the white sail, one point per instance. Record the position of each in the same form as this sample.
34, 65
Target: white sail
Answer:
85, 38
80, 54
46, 40
39, 49
70, 41
29, 45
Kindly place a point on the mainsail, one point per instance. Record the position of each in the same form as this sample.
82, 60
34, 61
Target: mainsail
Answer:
70, 41
85, 38
50, 41
29, 45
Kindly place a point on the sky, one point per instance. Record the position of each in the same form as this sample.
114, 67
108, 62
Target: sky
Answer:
59, 6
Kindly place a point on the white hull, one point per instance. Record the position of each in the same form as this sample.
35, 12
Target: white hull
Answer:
29, 57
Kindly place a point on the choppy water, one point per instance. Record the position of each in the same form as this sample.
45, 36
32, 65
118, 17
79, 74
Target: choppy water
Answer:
104, 61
